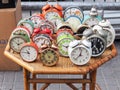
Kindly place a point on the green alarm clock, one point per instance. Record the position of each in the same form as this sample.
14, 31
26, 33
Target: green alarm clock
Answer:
63, 40
27, 23
93, 18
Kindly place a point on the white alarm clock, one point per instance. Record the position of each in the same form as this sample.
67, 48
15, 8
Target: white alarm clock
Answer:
80, 51
107, 27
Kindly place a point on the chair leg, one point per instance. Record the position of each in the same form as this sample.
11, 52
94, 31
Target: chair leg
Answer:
93, 79
26, 78
84, 84
34, 84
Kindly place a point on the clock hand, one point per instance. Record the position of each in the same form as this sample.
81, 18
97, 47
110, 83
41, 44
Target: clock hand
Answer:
28, 52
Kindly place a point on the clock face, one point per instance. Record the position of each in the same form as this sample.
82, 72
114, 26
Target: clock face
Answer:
91, 22
73, 11
49, 57
49, 15
80, 55
74, 22
98, 45
64, 34
21, 31
46, 26
28, 24
63, 46
41, 40
28, 53
36, 20
110, 37
56, 21
16, 43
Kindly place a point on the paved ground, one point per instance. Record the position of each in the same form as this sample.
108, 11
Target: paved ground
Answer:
108, 77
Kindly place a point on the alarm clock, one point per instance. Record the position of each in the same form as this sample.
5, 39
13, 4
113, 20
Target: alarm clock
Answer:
80, 51
36, 19
107, 27
98, 41
73, 10
63, 33
63, 40
41, 39
28, 24
16, 42
51, 10
64, 25
56, 21
81, 28
23, 31
93, 18
49, 55
74, 21
29, 52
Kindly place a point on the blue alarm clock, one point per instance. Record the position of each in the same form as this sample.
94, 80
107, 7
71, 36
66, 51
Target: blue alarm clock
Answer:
93, 18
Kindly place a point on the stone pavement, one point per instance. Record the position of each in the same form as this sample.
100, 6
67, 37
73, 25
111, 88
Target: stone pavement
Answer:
108, 77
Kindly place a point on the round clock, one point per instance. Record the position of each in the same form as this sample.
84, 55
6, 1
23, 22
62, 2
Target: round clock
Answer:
21, 31
52, 10
63, 46
49, 56
64, 25
46, 26
74, 21
36, 19
97, 40
81, 28
41, 39
56, 21
29, 52
16, 42
28, 24
64, 34
107, 27
93, 18
80, 51
76, 11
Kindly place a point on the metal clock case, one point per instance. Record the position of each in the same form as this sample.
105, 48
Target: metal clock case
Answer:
56, 21
74, 21
81, 28
97, 40
36, 19
41, 39
52, 10
47, 26
23, 31
76, 11
16, 42
80, 51
29, 52
93, 18
28, 24
64, 25
107, 27
49, 55
63, 40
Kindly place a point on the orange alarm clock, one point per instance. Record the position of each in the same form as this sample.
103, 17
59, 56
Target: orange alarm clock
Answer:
50, 11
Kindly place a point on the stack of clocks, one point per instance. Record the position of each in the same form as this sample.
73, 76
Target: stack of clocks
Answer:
46, 36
